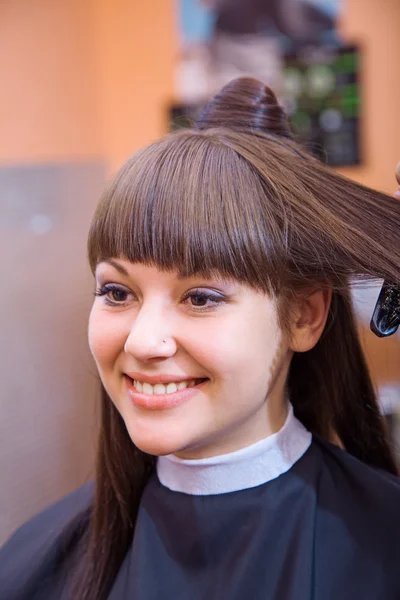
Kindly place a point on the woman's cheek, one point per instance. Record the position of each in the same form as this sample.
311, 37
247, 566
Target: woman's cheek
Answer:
106, 341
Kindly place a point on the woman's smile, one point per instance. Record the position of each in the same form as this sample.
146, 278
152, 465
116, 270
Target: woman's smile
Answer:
162, 397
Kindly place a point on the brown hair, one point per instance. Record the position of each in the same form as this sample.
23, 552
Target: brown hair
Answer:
238, 196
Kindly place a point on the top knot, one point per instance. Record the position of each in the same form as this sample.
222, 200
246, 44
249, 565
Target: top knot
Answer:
246, 104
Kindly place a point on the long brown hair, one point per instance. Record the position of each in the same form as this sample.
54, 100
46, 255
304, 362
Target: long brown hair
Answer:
238, 196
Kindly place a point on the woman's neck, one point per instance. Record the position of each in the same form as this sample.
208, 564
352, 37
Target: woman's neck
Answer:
243, 469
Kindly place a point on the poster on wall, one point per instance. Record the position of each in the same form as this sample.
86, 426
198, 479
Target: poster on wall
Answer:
291, 45
322, 99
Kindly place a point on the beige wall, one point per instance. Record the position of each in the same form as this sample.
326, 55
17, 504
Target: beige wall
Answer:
83, 78
48, 104
375, 25
135, 48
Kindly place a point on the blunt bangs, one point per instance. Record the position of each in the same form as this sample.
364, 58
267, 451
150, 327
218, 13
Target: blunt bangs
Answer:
189, 203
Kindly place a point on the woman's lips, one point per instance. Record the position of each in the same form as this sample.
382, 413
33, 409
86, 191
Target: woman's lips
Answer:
162, 401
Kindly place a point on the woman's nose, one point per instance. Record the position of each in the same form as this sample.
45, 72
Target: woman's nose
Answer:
147, 334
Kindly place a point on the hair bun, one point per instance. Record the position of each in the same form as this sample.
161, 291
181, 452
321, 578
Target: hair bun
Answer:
246, 104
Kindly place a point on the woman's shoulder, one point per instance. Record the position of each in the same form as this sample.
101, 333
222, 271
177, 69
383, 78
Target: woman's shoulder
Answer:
345, 469
37, 550
356, 488
357, 523
340, 461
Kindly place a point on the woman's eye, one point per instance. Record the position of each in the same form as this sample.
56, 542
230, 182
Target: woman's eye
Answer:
197, 300
113, 295
118, 295
203, 300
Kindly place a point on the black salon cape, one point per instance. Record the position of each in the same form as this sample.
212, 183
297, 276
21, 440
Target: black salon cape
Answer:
328, 529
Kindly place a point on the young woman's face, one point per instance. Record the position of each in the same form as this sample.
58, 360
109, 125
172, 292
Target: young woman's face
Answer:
220, 331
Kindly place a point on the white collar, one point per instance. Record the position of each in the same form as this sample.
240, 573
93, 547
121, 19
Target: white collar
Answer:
245, 468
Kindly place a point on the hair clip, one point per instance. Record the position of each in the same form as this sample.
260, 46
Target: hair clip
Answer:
386, 316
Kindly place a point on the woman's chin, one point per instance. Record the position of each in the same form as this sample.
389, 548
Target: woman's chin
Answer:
157, 449
161, 434
157, 446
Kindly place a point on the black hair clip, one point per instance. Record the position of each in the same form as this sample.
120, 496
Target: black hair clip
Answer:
386, 316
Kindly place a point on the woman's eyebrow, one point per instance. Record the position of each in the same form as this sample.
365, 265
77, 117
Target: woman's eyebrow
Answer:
117, 266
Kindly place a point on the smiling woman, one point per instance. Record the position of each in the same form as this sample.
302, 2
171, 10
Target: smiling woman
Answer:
223, 332
223, 340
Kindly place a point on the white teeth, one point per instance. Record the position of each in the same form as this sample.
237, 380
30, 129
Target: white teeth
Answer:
159, 388
147, 389
171, 388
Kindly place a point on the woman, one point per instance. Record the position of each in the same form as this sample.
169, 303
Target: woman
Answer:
223, 257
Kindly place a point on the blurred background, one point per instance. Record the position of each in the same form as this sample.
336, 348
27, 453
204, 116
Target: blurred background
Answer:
85, 83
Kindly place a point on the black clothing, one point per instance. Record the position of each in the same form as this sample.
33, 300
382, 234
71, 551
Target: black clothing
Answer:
327, 529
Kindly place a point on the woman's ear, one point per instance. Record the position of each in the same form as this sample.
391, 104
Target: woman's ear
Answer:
309, 317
